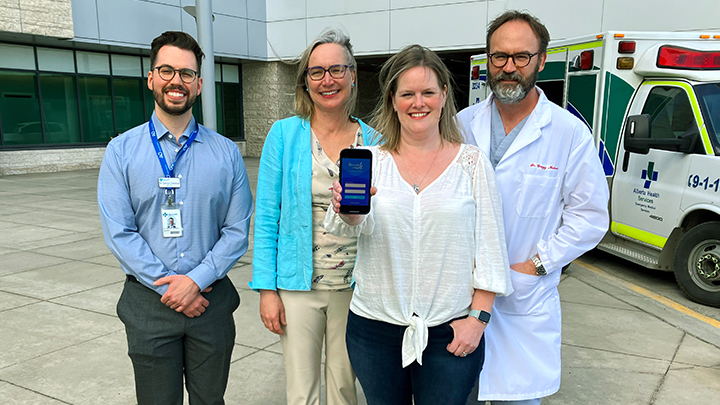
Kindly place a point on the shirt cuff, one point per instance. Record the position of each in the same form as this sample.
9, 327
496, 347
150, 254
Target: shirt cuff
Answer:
203, 276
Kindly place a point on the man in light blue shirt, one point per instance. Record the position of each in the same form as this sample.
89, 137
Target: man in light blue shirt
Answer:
175, 206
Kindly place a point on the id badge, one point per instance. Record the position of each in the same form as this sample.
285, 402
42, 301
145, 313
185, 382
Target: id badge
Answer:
169, 182
171, 221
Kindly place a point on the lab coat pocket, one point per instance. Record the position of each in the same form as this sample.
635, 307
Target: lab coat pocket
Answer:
536, 195
525, 299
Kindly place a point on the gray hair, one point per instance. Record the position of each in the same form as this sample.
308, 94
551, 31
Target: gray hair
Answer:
303, 103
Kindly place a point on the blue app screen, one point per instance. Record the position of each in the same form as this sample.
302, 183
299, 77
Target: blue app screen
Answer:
356, 179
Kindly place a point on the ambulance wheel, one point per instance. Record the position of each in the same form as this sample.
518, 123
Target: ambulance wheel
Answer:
697, 263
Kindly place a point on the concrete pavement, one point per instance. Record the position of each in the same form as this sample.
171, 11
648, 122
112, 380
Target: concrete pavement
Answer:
62, 343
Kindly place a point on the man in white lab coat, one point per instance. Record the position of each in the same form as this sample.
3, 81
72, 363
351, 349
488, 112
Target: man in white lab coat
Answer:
554, 196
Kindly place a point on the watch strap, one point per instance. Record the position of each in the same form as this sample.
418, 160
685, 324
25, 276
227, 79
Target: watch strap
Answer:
482, 316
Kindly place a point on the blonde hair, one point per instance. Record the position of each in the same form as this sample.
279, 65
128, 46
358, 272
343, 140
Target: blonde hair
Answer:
385, 119
304, 106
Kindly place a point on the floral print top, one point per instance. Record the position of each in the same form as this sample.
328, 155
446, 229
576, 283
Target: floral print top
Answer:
333, 256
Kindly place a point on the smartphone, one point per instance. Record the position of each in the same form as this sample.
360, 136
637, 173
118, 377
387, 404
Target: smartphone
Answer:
355, 179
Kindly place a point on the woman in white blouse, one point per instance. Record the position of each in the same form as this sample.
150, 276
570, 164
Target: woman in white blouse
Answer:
431, 253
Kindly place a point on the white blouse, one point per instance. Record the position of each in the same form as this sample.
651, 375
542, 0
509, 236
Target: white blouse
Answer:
420, 256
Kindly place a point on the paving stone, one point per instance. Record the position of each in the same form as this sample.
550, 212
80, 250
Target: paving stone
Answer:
101, 299
10, 301
38, 329
82, 383
693, 385
14, 395
19, 261
575, 291
696, 352
60, 280
619, 330
78, 250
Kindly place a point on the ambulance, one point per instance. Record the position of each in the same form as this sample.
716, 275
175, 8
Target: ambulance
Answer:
652, 103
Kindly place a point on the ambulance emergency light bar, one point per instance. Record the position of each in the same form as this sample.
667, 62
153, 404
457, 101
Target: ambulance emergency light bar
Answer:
682, 58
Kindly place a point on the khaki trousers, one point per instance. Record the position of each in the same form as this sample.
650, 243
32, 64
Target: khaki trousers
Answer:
314, 316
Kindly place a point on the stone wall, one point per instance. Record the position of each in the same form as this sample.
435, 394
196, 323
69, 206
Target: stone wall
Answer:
268, 96
49, 160
52, 18
57, 160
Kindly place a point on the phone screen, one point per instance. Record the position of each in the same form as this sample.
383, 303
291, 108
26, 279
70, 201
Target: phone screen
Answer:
355, 176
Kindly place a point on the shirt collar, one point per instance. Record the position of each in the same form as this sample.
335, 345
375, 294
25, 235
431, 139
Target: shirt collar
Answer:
162, 131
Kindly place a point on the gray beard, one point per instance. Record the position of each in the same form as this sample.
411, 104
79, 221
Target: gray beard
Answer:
512, 94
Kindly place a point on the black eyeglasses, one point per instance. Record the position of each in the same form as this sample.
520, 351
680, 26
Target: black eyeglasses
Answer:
167, 73
520, 59
336, 71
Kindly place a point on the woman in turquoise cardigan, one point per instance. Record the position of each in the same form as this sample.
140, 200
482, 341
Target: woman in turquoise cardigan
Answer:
303, 273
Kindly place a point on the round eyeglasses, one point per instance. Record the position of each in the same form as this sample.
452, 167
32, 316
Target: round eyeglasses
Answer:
520, 59
336, 71
167, 73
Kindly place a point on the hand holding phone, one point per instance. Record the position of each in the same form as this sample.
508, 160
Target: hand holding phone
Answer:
355, 181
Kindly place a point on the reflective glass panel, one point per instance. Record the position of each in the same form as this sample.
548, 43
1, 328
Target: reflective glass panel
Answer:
96, 109
17, 57
56, 60
232, 109
128, 103
62, 124
20, 108
123, 65
94, 63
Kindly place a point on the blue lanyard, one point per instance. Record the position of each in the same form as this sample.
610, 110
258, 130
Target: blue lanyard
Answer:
169, 171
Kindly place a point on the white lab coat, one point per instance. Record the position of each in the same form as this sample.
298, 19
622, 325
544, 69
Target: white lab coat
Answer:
555, 197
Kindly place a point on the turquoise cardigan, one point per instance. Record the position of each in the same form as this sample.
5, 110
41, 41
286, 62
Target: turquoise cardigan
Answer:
282, 252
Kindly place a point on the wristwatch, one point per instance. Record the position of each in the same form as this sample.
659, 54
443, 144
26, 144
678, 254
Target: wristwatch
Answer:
539, 268
482, 316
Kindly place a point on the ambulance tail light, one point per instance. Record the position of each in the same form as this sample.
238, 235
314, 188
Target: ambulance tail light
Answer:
475, 72
683, 58
586, 60
626, 47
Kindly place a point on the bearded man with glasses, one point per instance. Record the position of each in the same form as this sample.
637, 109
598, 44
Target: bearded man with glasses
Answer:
175, 208
554, 196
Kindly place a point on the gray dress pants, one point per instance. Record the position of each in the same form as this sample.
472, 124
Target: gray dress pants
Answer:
166, 346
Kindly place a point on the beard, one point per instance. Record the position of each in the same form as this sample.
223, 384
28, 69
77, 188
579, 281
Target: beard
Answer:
174, 109
512, 93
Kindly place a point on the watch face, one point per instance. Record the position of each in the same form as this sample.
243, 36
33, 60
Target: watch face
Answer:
484, 317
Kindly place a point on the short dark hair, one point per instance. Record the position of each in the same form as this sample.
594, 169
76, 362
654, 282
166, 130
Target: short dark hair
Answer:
177, 39
541, 33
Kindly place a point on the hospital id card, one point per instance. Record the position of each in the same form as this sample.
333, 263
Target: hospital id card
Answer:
171, 221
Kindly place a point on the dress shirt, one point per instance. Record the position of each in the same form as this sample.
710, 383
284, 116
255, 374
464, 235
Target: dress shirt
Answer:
420, 256
214, 199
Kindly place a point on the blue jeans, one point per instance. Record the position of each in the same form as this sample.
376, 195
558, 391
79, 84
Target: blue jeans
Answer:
375, 351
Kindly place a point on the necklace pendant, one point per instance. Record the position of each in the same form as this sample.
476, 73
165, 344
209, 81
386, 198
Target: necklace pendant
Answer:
416, 188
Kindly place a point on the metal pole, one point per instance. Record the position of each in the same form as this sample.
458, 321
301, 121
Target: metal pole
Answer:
204, 19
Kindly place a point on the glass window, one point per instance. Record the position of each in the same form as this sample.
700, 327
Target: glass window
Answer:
232, 109
20, 108
231, 74
60, 108
149, 101
128, 103
123, 65
670, 111
709, 100
96, 109
146, 66
217, 72
17, 57
219, 108
56, 60
93, 63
